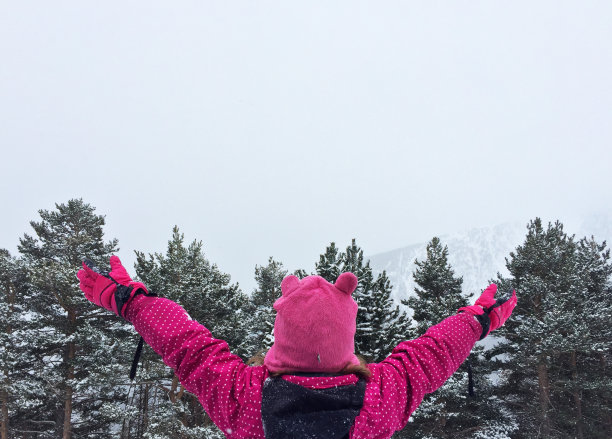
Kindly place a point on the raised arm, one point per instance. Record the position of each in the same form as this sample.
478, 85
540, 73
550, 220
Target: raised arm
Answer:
204, 365
421, 366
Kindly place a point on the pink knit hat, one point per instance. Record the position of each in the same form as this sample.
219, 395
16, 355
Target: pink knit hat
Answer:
315, 325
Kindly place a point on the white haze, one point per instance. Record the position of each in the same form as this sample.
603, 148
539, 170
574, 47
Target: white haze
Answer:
273, 128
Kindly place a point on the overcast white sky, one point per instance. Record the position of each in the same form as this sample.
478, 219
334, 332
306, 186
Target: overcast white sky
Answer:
273, 128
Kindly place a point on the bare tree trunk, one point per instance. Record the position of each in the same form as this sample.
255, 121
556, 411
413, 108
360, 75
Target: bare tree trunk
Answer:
544, 386
603, 363
5, 418
442, 418
173, 393
69, 376
4, 399
198, 411
577, 393
4, 396
145, 409
139, 429
127, 423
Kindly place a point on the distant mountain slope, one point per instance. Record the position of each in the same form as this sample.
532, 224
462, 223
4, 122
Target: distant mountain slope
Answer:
477, 254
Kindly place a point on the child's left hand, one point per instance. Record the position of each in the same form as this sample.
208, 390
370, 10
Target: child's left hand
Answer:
111, 290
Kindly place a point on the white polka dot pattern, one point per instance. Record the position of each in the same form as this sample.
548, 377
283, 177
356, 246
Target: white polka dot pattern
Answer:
231, 392
415, 367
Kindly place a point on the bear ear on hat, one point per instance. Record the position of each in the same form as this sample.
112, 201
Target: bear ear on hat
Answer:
346, 282
289, 284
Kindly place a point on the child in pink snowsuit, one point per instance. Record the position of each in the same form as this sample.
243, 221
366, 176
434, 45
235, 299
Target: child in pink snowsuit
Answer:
297, 392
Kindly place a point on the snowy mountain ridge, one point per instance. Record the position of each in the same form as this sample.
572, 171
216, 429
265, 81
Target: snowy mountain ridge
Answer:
476, 254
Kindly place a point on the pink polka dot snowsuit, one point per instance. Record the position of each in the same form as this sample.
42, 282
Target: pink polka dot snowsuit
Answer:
231, 392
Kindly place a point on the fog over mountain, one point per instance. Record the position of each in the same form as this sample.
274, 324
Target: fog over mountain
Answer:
476, 254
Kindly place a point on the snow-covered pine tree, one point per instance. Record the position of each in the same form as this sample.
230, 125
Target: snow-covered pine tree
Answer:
438, 295
8, 325
591, 374
381, 325
20, 390
300, 273
330, 264
538, 270
80, 357
449, 412
438, 291
185, 276
557, 339
390, 323
268, 289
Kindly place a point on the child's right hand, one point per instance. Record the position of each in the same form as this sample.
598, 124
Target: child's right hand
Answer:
491, 313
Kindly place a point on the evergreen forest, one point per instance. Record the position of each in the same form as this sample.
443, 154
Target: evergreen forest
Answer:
64, 362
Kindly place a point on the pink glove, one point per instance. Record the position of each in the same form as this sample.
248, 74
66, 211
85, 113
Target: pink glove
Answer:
489, 312
111, 290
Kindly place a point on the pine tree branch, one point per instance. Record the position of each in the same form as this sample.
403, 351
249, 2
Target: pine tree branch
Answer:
59, 299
